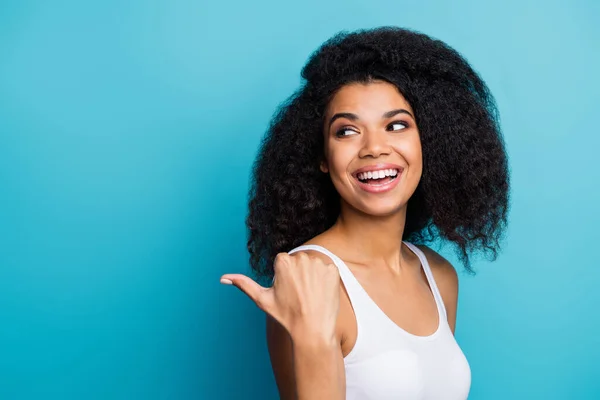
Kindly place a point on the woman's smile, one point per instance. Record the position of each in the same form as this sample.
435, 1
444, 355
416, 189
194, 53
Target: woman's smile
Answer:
378, 178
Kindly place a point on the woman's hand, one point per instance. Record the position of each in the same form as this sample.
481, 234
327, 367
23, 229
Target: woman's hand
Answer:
304, 298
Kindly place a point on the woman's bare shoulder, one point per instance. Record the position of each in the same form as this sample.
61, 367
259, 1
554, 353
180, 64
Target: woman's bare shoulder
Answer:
446, 279
438, 263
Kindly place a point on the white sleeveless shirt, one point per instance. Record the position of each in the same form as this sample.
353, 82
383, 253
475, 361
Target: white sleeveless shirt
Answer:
388, 362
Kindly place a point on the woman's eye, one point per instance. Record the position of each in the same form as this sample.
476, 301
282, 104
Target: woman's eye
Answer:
345, 132
398, 125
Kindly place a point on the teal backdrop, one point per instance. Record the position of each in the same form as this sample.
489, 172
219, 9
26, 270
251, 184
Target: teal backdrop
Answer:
127, 133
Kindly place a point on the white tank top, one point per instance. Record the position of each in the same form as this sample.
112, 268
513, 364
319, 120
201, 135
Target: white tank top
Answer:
388, 362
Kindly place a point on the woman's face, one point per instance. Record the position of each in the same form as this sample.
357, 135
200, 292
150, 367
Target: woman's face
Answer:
372, 147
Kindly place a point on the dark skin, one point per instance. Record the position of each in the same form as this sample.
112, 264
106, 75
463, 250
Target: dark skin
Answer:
367, 128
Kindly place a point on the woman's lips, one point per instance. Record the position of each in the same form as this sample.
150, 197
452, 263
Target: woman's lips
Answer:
382, 187
377, 167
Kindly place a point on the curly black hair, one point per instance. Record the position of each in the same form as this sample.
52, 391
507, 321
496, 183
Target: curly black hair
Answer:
463, 194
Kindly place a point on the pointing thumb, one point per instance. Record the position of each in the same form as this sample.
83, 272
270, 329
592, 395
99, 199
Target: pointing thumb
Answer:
256, 292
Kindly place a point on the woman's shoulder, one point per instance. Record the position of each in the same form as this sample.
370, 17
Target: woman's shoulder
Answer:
325, 242
438, 263
446, 279
443, 271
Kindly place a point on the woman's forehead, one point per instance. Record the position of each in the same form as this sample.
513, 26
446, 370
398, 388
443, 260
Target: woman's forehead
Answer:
375, 97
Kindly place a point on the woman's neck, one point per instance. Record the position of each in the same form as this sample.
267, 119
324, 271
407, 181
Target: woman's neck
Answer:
372, 238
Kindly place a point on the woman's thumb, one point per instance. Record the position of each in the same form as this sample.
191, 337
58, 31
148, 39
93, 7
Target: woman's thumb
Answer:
257, 293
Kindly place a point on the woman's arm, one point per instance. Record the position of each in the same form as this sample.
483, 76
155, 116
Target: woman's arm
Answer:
306, 369
305, 300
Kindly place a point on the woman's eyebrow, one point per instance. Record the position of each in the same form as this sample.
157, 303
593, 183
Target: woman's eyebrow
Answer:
390, 114
354, 117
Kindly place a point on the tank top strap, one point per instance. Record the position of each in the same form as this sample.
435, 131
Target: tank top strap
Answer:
430, 279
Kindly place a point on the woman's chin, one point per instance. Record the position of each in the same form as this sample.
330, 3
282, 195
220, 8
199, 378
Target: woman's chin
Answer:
382, 209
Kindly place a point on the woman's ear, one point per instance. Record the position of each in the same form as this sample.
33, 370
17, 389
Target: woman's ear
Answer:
324, 167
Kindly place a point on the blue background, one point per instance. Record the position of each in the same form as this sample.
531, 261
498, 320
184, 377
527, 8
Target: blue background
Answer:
127, 132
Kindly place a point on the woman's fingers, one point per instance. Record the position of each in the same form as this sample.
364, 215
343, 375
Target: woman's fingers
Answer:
257, 293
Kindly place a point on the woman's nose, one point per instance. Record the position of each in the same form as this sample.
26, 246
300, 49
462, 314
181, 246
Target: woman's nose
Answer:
374, 145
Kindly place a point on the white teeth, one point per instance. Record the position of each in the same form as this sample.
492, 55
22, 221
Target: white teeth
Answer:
377, 174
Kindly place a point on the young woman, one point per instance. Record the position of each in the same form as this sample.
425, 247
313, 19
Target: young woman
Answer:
392, 142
